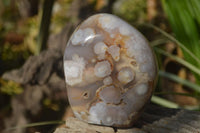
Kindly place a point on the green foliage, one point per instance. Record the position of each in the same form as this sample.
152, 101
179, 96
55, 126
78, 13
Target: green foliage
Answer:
164, 102
50, 104
180, 60
30, 29
10, 87
131, 10
59, 15
172, 77
44, 25
6, 2
169, 104
12, 56
185, 22
17, 37
177, 79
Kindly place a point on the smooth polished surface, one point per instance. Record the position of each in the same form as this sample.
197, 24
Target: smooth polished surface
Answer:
110, 71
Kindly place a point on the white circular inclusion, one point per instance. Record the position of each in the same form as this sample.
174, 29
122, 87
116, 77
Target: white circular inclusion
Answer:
73, 72
107, 80
100, 48
142, 89
125, 75
114, 51
102, 69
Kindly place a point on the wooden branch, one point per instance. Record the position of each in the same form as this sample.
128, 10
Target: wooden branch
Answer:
154, 120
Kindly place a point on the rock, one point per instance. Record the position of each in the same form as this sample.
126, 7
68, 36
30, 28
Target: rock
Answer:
75, 125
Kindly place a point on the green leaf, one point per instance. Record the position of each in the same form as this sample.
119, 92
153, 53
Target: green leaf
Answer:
164, 102
170, 37
177, 79
179, 60
184, 19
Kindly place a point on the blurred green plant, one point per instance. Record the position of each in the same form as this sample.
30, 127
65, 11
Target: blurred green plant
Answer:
131, 10
6, 2
59, 15
44, 25
185, 23
193, 86
184, 18
177, 79
10, 87
12, 56
50, 104
17, 36
30, 29
159, 51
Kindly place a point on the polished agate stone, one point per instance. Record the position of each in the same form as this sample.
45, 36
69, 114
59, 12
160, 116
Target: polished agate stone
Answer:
110, 71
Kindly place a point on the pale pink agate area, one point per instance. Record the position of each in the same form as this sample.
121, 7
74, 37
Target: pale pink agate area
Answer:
110, 71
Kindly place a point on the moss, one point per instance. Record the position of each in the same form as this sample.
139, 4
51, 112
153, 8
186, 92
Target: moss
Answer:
131, 10
10, 87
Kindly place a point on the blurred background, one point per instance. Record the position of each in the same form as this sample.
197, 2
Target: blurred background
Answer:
33, 35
